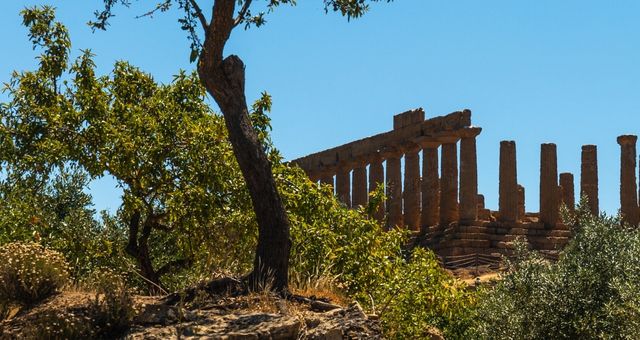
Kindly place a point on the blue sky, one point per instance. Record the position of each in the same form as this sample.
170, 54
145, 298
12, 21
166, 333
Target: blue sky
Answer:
537, 71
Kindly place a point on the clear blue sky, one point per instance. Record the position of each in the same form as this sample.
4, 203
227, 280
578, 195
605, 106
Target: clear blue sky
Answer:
536, 71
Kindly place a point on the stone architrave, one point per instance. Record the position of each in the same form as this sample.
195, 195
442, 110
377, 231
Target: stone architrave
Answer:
411, 192
628, 192
549, 198
376, 177
343, 185
508, 183
430, 215
521, 203
468, 180
568, 195
394, 192
359, 184
589, 177
449, 184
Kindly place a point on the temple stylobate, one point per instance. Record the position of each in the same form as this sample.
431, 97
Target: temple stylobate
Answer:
430, 172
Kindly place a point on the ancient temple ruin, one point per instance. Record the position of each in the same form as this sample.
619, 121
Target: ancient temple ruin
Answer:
440, 200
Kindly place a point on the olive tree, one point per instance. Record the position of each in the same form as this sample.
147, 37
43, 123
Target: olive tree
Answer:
224, 78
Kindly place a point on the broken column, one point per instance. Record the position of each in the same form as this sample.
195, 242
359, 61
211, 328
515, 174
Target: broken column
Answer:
412, 187
521, 201
376, 177
343, 185
628, 193
549, 185
508, 183
468, 178
589, 177
430, 215
394, 191
449, 183
359, 185
567, 194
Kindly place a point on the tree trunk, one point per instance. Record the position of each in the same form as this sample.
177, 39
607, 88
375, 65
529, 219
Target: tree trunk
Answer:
225, 82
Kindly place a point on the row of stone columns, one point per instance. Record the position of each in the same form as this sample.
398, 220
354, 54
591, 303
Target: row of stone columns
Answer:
554, 189
426, 199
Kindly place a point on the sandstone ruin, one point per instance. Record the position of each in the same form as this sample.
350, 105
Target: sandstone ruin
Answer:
440, 201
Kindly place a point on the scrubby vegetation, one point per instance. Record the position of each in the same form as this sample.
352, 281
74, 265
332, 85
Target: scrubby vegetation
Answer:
185, 217
30, 273
591, 292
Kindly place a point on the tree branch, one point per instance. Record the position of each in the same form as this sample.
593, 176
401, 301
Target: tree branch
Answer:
242, 13
200, 15
217, 35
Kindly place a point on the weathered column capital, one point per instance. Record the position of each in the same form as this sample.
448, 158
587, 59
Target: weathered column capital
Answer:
411, 147
391, 152
449, 139
627, 139
470, 132
328, 171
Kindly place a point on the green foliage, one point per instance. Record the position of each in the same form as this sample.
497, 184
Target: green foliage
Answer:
162, 143
410, 290
249, 13
57, 214
591, 292
29, 272
112, 310
52, 324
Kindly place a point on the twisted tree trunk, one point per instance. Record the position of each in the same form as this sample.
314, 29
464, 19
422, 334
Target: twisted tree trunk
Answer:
224, 79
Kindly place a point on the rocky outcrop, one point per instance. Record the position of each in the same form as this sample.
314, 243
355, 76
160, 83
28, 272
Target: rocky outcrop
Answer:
253, 316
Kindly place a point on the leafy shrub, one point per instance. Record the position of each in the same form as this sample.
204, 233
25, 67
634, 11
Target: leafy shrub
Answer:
56, 325
29, 272
409, 290
113, 308
590, 292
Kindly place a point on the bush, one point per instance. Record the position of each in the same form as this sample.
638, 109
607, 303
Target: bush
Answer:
590, 292
29, 272
112, 310
409, 289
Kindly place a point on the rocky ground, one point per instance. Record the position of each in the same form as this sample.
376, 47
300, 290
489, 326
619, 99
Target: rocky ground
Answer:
252, 316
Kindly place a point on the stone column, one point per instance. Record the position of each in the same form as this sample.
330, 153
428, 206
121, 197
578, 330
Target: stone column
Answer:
568, 195
359, 184
628, 192
548, 185
343, 185
376, 177
327, 178
430, 187
468, 180
480, 201
394, 192
508, 183
412, 187
449, 184
589, 177
521, 204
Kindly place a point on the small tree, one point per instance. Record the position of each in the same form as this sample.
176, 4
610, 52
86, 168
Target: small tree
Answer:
224, 79
162, 143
